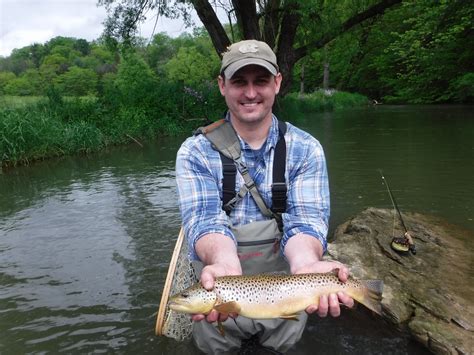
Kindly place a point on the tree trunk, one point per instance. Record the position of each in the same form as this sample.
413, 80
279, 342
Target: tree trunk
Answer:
271, 22
302, 80
246, 13
208, 17
285, 53
326, 76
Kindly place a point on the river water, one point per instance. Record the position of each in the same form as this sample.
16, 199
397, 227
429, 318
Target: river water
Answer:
85, 241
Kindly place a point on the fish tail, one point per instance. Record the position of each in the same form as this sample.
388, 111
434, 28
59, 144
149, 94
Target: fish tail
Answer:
372, 296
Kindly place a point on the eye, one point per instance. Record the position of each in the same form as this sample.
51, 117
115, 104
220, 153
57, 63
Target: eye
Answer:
185, 295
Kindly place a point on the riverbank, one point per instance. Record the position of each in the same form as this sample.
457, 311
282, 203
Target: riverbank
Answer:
87, 239
38, 128
427, 295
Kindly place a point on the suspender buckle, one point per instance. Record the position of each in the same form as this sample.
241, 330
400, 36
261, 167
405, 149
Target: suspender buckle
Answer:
279, 191
279, 188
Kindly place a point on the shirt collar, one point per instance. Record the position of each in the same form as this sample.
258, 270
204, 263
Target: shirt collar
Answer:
272, 138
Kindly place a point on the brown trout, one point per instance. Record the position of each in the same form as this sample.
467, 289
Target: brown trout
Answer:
273, 295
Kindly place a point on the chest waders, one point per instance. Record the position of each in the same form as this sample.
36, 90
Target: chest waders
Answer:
258, 244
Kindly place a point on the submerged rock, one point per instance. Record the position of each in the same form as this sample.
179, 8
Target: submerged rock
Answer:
428, 295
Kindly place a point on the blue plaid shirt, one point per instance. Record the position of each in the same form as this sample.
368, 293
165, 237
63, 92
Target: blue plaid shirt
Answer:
199, 179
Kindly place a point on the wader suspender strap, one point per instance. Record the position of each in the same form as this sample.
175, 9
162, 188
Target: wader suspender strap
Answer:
224, 139
279, 188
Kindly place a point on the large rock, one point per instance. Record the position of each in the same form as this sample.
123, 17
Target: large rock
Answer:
429, 295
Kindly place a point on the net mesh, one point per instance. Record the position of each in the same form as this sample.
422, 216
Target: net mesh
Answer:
176, 325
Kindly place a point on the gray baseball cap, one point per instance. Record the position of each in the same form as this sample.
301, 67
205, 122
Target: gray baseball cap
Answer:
248, 52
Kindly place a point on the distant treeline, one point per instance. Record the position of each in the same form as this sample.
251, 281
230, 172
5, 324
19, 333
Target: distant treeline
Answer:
76, 67
419, 52
83, 96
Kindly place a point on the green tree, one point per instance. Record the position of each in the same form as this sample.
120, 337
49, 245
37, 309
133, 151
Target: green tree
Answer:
135, 81
20, 60
82, 46
5, 78
35, 80
78, 82
20, 87
52, 66
191, 67
418, 53
279, 22
160, 50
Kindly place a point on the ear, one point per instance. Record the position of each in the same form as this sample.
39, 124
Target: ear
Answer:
278, 78
221, 82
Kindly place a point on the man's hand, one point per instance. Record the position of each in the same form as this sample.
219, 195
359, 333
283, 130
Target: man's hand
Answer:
304, 254
219, 253
330, 303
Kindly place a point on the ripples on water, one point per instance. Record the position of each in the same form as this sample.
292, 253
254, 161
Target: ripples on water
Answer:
85, 241
84, 247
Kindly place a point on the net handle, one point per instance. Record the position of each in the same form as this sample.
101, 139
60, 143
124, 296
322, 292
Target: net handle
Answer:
160, 319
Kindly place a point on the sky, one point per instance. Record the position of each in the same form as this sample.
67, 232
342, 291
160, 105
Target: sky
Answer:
24, 22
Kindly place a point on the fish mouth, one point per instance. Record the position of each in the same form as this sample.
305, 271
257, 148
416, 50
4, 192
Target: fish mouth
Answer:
177, 306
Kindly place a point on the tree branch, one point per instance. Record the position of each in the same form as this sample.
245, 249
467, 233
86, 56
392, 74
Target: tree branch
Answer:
271, 22
377, 9
216, 31
285, 52
246, 13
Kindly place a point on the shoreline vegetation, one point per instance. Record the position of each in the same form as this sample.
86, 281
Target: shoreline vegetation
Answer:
37, 128
69, 95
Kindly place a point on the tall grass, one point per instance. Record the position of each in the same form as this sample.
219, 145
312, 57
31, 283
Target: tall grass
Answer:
28, 134
55, 126
324, 100
7, 101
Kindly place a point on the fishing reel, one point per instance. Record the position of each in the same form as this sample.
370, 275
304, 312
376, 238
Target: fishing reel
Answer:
403, 244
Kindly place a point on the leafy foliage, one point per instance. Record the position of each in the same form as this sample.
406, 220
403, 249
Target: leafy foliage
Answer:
417, 53
190, 67
106, 92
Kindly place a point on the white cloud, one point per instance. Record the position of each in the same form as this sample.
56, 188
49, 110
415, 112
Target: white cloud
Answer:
24, 22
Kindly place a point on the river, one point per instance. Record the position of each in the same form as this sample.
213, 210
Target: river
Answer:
85, 241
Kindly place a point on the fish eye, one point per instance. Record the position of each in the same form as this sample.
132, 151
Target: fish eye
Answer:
185, 295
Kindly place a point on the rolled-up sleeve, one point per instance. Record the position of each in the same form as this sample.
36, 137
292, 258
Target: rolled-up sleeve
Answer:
308, 200
198, 190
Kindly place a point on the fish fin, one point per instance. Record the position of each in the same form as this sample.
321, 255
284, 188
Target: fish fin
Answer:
290, 317
228, 307
220, 328
373, 296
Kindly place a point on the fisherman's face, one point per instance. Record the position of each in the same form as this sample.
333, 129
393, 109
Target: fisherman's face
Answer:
250, 93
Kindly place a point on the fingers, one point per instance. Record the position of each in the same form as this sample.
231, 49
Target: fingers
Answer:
331, 304
323, 306
343, 273
311, 309
197, 317
323, 267
212, 317
334, 308
207, 279
345, 299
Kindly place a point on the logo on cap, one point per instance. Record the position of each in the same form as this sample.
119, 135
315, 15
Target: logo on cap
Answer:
248, 48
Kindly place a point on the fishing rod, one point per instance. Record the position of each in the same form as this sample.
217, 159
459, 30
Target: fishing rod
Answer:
399, 244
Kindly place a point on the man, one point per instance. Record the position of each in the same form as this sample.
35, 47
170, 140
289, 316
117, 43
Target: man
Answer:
249, 82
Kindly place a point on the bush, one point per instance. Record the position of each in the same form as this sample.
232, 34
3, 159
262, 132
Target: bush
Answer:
323, 100
463, 88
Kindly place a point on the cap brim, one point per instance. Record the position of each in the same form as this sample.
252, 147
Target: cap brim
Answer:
234, 67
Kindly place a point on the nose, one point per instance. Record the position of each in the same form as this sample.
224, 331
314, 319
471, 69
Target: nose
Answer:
250, 91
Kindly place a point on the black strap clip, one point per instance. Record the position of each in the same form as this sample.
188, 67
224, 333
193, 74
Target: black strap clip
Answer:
279, 191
